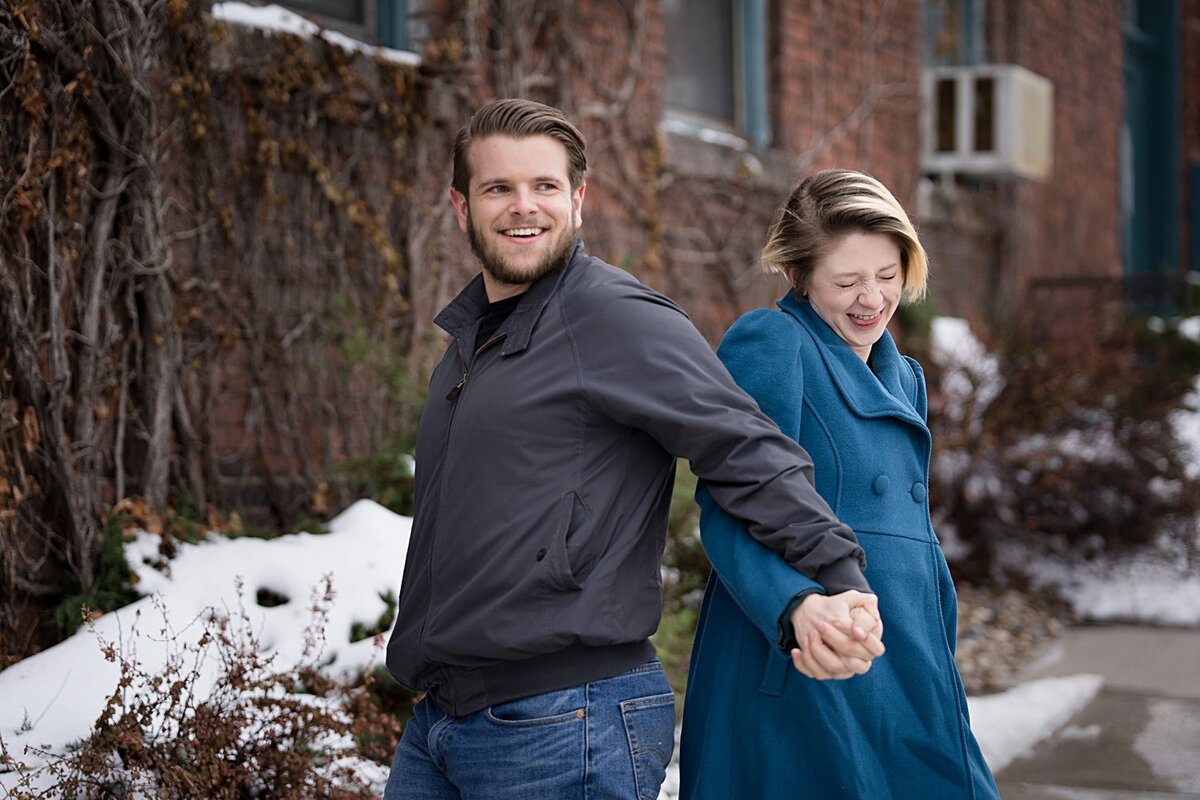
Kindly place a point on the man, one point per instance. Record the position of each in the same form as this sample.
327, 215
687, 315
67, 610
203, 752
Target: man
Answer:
545, 462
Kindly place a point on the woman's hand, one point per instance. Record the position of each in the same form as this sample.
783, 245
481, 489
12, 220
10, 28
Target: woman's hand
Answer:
839, 636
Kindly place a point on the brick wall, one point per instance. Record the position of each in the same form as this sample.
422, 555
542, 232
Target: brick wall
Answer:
999, 245
616, 101
1070, 224
846, 87
689, 216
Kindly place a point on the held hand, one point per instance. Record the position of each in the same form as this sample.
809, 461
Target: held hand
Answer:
867, 621
854, 615
839, 636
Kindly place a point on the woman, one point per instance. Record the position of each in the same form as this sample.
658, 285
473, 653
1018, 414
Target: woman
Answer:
826, 370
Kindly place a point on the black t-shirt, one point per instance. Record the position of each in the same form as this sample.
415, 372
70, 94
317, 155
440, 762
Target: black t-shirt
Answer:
496, 314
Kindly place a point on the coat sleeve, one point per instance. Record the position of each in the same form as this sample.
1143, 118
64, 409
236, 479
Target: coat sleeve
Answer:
760, 582
643, 364
762, 352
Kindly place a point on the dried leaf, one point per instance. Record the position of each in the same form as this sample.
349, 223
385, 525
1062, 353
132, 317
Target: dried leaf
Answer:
8, 414
30, 432
322, 498
139, 510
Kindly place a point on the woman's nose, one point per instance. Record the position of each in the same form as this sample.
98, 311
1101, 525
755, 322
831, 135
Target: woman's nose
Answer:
871, 295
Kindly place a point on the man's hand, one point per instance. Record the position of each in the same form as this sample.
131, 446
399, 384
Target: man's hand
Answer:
839, 636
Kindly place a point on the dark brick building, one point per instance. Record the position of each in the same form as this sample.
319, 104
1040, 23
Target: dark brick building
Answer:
1049, 149
745, 96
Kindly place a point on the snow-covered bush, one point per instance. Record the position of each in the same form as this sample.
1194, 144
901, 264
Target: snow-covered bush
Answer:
1071, 454
255, 732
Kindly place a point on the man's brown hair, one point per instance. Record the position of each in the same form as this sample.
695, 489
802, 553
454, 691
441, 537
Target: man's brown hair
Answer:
519, 118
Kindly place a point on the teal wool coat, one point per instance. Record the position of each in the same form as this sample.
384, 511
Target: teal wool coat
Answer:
753, 727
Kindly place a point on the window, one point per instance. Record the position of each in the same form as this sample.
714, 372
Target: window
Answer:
717, 65
352, 11
953, 33
398, 24
1151, 214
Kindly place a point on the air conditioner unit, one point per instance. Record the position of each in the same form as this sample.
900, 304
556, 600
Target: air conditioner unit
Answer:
993, 119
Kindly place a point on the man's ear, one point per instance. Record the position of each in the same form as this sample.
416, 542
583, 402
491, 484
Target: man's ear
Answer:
460, 208
577, 203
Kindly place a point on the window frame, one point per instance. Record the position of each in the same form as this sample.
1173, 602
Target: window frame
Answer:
940, 15
749, 78
386, 23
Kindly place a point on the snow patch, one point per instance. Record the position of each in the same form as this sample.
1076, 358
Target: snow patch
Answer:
1186, 422
52, 699
1009, 724
280, 20
1189, 328
1155, 586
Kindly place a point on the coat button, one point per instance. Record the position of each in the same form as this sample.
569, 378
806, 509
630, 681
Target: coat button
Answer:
918, 492
881, 484
541, 554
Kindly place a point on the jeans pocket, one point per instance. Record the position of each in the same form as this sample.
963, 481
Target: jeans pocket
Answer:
551, 708
650, 728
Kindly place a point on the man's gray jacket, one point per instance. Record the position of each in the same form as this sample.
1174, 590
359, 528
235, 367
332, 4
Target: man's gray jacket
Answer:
544, 469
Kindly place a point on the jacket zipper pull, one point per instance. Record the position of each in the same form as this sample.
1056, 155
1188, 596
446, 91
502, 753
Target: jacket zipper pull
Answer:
457, 388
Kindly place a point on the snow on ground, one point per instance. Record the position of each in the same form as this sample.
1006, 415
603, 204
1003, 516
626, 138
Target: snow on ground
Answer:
281, 20
1187, 419
1186, 422
51, 699
1009, 724
1151, 587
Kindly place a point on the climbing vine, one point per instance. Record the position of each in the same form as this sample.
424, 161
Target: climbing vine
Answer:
221, 250
85, 284
193, 217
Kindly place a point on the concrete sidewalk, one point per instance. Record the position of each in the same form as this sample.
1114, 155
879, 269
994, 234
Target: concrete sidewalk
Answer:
1139, 739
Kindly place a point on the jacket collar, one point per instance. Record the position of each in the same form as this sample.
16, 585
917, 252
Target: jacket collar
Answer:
885, 388
459, 317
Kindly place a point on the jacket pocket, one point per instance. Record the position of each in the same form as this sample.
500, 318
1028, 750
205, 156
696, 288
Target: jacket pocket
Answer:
559, 572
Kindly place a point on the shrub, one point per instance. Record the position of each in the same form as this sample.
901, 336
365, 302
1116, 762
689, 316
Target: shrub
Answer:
361, 630
257, 732
113, 587
685, 571
1066, 454
386, 476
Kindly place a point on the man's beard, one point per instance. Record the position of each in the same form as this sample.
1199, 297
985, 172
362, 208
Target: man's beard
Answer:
503, 271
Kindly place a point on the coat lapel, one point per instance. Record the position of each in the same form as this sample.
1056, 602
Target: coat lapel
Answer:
878, 393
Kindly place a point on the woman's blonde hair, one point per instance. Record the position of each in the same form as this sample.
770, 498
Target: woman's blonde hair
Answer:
830, 204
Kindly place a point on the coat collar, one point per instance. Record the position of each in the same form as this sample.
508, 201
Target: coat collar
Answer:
464, 311
886, 388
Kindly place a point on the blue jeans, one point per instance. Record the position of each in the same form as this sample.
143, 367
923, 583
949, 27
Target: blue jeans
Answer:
607, 739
